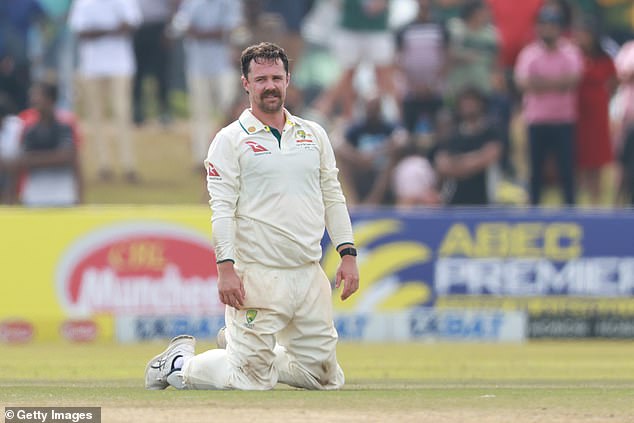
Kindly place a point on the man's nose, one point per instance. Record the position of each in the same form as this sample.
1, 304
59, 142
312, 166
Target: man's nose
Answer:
269, 84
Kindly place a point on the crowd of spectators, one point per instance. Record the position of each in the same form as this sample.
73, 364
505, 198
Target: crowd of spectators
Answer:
422, 98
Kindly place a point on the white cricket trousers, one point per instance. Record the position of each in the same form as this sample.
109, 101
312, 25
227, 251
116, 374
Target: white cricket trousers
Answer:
284, 333
114, 91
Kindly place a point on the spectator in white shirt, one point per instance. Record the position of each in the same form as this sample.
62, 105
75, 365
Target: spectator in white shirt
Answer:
106, 67
211, 76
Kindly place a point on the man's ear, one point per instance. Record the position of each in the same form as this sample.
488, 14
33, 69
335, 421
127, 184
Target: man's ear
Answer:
245, 84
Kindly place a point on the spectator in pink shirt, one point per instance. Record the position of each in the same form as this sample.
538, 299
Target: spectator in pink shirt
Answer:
548, 72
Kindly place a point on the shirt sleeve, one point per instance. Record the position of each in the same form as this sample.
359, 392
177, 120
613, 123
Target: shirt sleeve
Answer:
522, 67
337, 217
223, 184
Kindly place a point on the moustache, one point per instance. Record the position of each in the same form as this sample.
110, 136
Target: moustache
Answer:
271, 92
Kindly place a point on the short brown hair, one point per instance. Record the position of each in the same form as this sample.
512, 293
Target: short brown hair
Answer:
263, 52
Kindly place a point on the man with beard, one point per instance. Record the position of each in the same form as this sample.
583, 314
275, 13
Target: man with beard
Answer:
273, 184
548, 72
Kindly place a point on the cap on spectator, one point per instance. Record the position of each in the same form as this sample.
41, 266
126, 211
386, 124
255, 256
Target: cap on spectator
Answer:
550, 15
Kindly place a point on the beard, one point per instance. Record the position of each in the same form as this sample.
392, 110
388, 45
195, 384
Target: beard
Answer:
266, 105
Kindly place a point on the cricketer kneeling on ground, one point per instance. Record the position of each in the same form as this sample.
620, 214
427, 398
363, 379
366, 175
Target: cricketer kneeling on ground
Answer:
272, 179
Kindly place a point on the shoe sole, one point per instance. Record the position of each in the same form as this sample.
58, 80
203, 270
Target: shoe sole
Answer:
178, 340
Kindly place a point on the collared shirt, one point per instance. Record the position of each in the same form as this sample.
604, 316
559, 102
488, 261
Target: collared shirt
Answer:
271, 200
536, 60
110, 55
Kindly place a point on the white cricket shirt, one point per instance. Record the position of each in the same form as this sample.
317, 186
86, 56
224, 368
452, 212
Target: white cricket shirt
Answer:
272, 200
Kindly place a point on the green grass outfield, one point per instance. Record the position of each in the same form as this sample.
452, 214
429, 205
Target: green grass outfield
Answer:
535, 382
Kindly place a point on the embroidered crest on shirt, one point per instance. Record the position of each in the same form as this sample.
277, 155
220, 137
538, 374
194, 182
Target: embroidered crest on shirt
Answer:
304, 140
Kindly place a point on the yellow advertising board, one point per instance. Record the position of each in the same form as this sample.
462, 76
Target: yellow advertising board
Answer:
65, 272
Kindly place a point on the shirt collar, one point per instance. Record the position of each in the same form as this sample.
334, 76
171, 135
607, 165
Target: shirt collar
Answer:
250, 124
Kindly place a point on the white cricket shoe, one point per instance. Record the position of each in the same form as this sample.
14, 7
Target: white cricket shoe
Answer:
161, 366
221, 339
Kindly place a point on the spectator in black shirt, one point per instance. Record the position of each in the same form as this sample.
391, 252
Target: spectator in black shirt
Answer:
368, 156
468, 160
49, 162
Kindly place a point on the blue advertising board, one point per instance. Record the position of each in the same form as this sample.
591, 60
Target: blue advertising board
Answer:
534, 259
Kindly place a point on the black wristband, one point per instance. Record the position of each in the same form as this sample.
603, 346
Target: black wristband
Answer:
350, 251
225, 260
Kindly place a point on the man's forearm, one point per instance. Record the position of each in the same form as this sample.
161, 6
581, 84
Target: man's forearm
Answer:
32, 160
461, 165
216, 34
122, 29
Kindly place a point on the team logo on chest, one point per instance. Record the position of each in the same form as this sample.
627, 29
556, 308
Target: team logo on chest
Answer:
257, 148
304, 140
303, 136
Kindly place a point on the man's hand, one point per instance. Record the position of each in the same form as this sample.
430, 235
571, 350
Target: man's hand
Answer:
348, 273
230, 286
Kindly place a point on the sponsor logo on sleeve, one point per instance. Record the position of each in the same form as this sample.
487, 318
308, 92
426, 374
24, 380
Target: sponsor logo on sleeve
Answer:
212, 173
